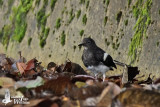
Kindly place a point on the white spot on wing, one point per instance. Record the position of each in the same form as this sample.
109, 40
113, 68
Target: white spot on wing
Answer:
105, 56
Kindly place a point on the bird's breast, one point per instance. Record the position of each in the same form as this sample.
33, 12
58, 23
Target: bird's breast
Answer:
88, 55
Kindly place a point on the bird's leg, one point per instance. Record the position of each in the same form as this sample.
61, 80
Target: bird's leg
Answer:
96, 75
104, 77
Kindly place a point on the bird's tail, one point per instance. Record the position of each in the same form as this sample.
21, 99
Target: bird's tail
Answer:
119, 63
111, 68
115, 66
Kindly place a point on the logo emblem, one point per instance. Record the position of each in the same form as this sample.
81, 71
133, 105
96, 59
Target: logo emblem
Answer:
7, 97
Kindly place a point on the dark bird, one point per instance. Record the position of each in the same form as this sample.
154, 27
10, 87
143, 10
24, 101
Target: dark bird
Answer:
95, 59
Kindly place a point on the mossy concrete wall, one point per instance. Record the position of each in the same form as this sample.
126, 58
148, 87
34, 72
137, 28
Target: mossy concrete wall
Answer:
109, 22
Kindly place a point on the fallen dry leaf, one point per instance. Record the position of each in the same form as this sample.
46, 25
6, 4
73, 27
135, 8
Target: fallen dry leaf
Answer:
87, 91
21, 67
74, 68
132, 72
147, 81
157, 81
6, 82
137, 97
59, 86
108, 94
69, 85
82, 78
6, 64
31, 64
77, 69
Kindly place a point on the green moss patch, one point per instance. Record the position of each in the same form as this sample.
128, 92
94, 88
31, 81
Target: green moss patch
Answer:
63, 38
157, 43
64, 10
58, 23
82, 2
126, 22
81, 32
143, 21
41, 24
78, 14
29, 41
42, 18
41, 15
115, 45
5, 35
106, 2
105, 20
44, 36
53, 2
87, 4
129, 2
16, 30
84, 19
137, 8
37, 2
1, 3
71, 16
18, 19
107, 42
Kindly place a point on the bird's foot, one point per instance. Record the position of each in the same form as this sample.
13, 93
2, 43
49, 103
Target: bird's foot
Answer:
96, 76
104, 77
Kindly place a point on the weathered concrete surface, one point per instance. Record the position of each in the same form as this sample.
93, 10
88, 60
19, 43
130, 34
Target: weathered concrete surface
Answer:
113, 32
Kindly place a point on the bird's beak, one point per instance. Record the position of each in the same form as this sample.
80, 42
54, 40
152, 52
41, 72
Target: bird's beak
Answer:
81, 44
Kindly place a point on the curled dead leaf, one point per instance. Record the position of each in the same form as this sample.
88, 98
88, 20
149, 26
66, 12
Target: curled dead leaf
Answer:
21, 67
82, 78
157, 81
59, 86
31, 64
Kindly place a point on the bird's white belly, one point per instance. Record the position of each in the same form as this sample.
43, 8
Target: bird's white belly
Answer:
97, 69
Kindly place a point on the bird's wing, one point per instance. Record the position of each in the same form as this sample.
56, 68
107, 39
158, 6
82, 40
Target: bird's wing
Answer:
105, 58
109, 61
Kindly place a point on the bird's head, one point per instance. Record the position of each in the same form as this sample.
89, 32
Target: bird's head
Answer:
88, 42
